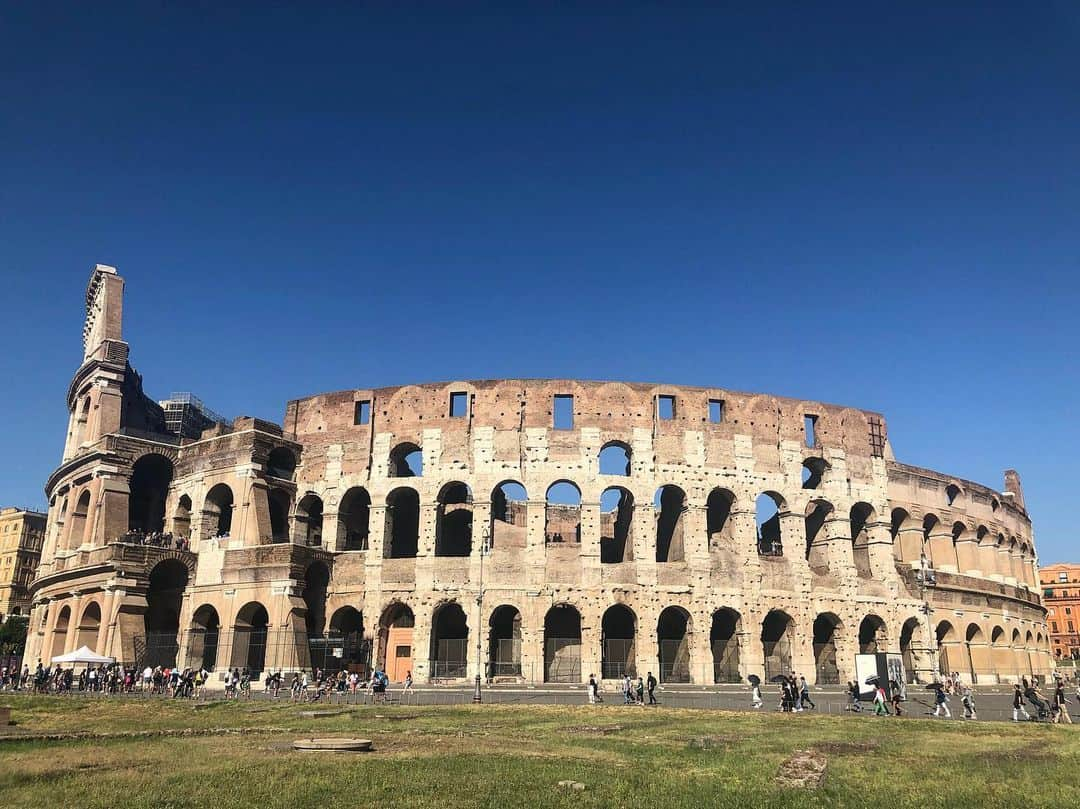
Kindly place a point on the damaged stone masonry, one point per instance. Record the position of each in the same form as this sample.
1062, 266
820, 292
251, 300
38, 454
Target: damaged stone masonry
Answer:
698, 533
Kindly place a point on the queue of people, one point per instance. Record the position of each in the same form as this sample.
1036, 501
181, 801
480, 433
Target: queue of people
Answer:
155, 539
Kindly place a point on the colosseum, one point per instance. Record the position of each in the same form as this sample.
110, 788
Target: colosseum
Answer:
520, 530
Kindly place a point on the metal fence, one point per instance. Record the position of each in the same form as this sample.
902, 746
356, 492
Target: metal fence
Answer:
562, 660
505, 658
618, 660
674, 661
828, 673
726, 661
777, 658
451, 659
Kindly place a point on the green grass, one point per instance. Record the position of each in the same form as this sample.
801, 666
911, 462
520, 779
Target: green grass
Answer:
503, 756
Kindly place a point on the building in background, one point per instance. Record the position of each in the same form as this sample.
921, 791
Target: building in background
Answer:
1061, 594
22, 533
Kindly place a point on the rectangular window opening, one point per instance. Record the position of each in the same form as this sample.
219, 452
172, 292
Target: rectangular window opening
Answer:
716, 411
459, 405
810, 426
563, 412
665, 407
362, 413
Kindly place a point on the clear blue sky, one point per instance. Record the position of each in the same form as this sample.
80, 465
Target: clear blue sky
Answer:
849, 203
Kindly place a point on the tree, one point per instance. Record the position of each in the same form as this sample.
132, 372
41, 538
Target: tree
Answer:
13, 635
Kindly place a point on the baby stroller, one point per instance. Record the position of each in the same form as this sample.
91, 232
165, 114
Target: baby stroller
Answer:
1041, 706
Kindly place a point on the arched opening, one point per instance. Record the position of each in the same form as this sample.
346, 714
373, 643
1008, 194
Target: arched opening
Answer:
504, 642
911, 637
86, 633
402, 524
873, 637
508, 513
449, 642
813, 470
718, 518
817, 544
279, 515
281, 463
182, 517
453, 530
724, 641
354, 515
999, 653
861, 516
562, 513
930, 522
896, 522
77, 529
616, 526
615, 459
218, 510
826, 628
946, 642
347, 633
150, 479
164, 598
406, 461
60, 630
203, 638
316, 582
562, 645
249, 638
309, 520
396, 641
776, 632
974, 641
769, 506
673, 636
670, 503
617, 637
952, 492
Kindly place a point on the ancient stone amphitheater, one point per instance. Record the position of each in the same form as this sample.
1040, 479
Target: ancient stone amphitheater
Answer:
530, 530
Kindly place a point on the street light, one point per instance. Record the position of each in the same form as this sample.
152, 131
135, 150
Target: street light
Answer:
477, 697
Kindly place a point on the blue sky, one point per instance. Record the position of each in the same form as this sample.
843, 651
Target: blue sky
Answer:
847, 203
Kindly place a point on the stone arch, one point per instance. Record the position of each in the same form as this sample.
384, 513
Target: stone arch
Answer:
89, 628
504, 642
249, 637
827, 627
614, 458
769, 507
203, 637
952, 494
912, 637
396, 625
718, 508
618, 642
724, 643
777, 629
308, 520
562, 644
402, 535
218, 510
861, 517
817, 545
948, 647
346, 627
509, 514
562, 513
280, 503
60, 631
151, 476
181, 525
454, 527
873, 635
813, 472
616, 525
975, 643
354, 519
281, 463
449, 641
670, 503
674, 631
406, 461
78, 527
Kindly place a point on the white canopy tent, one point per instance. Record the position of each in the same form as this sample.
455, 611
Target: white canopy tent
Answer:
84, 655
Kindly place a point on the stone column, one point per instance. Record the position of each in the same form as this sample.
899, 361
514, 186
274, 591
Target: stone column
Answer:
837, 530
535, 548
943, 555
988, 558
645, 516
590, 644
967, 554
330, 534
879, 548
589, 553
910, 540
701, 659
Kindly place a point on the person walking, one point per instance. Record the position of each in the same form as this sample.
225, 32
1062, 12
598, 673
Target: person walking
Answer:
853, 692
880, 708
941, 702
627, 689
641, 692
1062, 703
894, 689
968, 701
804, 693
755, 695
592, 689
407, 688
650, 683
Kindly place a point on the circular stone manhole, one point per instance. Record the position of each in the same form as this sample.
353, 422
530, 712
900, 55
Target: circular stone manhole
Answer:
340, 745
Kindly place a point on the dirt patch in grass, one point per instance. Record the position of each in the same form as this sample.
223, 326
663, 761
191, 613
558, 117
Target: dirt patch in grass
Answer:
804, 769
1033, 753
603, 730
843, 748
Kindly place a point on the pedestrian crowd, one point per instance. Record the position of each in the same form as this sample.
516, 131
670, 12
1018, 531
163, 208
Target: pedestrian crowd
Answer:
155, 539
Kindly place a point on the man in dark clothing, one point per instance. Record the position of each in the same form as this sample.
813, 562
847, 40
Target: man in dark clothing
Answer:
651, 685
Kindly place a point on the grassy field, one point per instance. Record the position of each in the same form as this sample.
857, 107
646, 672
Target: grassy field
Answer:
502, 756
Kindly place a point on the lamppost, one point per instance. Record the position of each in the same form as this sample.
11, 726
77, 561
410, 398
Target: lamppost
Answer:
477, 697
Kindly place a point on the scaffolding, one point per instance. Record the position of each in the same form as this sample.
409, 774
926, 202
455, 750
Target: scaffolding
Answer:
186, 416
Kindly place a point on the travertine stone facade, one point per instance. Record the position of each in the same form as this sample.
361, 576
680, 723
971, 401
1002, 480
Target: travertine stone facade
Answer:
699, 533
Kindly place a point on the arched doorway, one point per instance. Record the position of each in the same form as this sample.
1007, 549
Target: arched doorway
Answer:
724, 640
670, 504
616, 525
504, 642
718, 517
873, 637
509, 502
617, 638
347, 632
182, 518
354, 515
60, 630
946, 641
449, 642
911, 637
164, 598
86, 634
402, 524
77, 530
975, 643
217, 511
673, 639
562, 645
150, 479
453, 527
249, 638
203, 638
562, 513
826, 628
279, 502
309, 520
396, 641
776, 632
